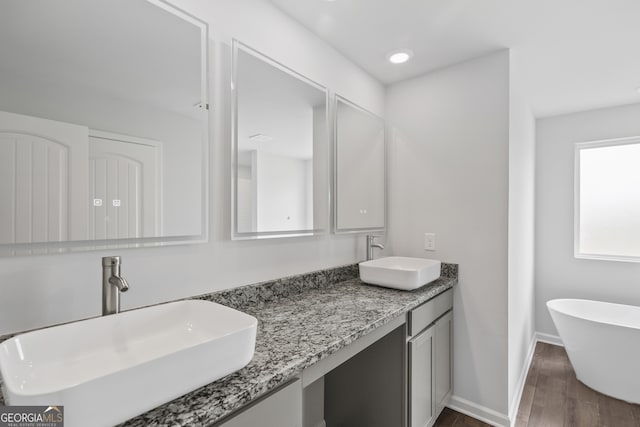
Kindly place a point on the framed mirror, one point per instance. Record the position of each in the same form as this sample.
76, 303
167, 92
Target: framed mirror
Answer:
360, 169
103, 125
280, 149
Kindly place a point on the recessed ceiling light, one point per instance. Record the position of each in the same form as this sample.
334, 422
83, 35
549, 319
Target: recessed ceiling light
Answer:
400, 56
258, 137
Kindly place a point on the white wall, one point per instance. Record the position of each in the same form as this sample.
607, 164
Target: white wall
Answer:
44, 290
449, 175
557, 273
521, 233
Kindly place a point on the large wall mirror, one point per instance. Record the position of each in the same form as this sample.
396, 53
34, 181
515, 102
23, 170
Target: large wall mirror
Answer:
360, 172
103, 124
280, 149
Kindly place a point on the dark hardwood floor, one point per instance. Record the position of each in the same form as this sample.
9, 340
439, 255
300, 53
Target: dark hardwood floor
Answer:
451, 418
553, 397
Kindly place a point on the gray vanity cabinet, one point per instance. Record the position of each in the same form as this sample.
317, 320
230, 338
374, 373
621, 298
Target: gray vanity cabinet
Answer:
443, 363
421, 407
429, 348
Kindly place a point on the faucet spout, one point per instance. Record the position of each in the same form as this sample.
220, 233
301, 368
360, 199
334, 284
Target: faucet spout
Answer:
120, 283
112, 285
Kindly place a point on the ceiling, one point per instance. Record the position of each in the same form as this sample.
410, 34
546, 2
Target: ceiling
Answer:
574, 54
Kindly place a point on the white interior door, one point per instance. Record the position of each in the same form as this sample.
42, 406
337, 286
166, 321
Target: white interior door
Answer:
124, 187
43, 180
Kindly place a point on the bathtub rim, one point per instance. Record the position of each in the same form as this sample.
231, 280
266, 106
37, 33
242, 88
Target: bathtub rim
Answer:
551, 307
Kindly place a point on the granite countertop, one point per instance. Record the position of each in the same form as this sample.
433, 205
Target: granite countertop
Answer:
301, 320
294, 332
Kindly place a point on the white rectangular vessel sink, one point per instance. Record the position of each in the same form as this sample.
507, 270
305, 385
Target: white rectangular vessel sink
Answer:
399, 272
109, 369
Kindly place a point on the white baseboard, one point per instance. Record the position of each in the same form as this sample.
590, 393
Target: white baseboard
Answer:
479, 412
515, 403
549, 339
495, 418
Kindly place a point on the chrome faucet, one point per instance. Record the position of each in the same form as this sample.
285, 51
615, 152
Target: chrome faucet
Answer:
112, 284
371, 244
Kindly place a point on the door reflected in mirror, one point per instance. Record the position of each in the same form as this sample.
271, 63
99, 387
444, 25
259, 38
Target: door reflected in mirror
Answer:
103, 122
280, 149
360, 173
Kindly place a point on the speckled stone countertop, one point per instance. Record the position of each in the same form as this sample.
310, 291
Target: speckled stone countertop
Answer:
294, 332
301, 320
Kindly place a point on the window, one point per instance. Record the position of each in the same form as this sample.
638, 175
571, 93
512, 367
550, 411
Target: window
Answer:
607, 200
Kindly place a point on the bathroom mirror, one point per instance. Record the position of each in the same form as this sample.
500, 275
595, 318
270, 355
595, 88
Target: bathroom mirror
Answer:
103, 124
280, 149
360, 173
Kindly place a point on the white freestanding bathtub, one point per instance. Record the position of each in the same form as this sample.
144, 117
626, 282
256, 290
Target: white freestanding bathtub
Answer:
603, 343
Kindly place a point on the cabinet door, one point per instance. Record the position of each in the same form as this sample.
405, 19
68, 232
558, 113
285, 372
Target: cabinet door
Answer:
442, 362
421, 384
282, 408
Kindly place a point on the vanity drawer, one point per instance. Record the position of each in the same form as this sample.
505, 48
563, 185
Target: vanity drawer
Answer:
424, 315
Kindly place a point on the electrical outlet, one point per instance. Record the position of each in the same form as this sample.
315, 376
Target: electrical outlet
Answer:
429, 241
